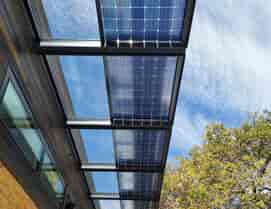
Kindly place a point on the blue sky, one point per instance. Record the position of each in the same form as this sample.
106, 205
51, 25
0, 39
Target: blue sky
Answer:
226, 70
225, 74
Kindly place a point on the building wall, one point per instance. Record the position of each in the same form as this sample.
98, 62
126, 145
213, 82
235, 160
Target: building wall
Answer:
12, 194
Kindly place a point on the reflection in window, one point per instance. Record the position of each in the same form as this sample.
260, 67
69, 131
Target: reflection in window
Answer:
19, 121
55, 181
15, 112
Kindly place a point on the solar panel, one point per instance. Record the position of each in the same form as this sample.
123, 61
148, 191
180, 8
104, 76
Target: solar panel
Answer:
107, 204
140, 87
142, 20
130, 204
139, 184
139, 147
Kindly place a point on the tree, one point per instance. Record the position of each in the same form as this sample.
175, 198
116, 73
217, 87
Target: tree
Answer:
232, 169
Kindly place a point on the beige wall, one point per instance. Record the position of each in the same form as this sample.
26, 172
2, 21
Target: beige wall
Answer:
12, 195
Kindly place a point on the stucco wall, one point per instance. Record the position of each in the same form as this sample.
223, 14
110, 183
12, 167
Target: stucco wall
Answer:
12, 195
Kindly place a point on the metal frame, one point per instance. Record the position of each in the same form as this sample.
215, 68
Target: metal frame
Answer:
176, 88
107, 124
99, 48
33, 20
187, 21
96, 48
113, 168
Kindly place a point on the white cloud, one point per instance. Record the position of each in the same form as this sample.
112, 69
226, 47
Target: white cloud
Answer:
188, 130
227, 65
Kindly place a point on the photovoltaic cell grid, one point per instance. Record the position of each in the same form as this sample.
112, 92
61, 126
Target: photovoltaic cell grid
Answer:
146, 21
139, 148
130, 204
138, 183
140, 88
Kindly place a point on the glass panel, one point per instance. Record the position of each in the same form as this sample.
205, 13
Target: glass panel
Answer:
139, 183
12, 106
55, 181
46, 159
85, 81
139, 147
33, 139
14, 111
98, 146
19, 122
140, 87
143, 20
72, 19
105, 182
107, 204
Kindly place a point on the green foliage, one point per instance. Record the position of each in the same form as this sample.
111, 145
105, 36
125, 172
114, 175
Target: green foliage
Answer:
232, 169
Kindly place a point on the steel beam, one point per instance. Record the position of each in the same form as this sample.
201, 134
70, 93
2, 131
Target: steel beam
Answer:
95, 48
187, 21
176, 88
105, 196
114, 168
107, 124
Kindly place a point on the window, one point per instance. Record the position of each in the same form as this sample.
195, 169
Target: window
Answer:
15, 113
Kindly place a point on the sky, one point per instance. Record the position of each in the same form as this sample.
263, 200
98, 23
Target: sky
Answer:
226, 72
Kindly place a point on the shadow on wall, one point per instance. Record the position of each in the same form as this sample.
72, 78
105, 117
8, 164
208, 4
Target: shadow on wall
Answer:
12, 195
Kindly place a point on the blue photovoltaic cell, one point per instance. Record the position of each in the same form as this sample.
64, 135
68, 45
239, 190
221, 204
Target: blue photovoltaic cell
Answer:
139, 147
131, 204
140, 87
139, 183
138, 20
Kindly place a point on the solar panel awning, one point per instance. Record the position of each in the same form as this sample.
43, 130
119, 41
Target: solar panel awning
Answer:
125, 79
140, 87
140, 21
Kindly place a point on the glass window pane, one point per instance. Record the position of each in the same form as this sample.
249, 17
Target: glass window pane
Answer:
140, 87
33, 139
98, 146
72, 19
55, 181
17, 118
105, 182
46, 159
14, 108
12, 105
86, 84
